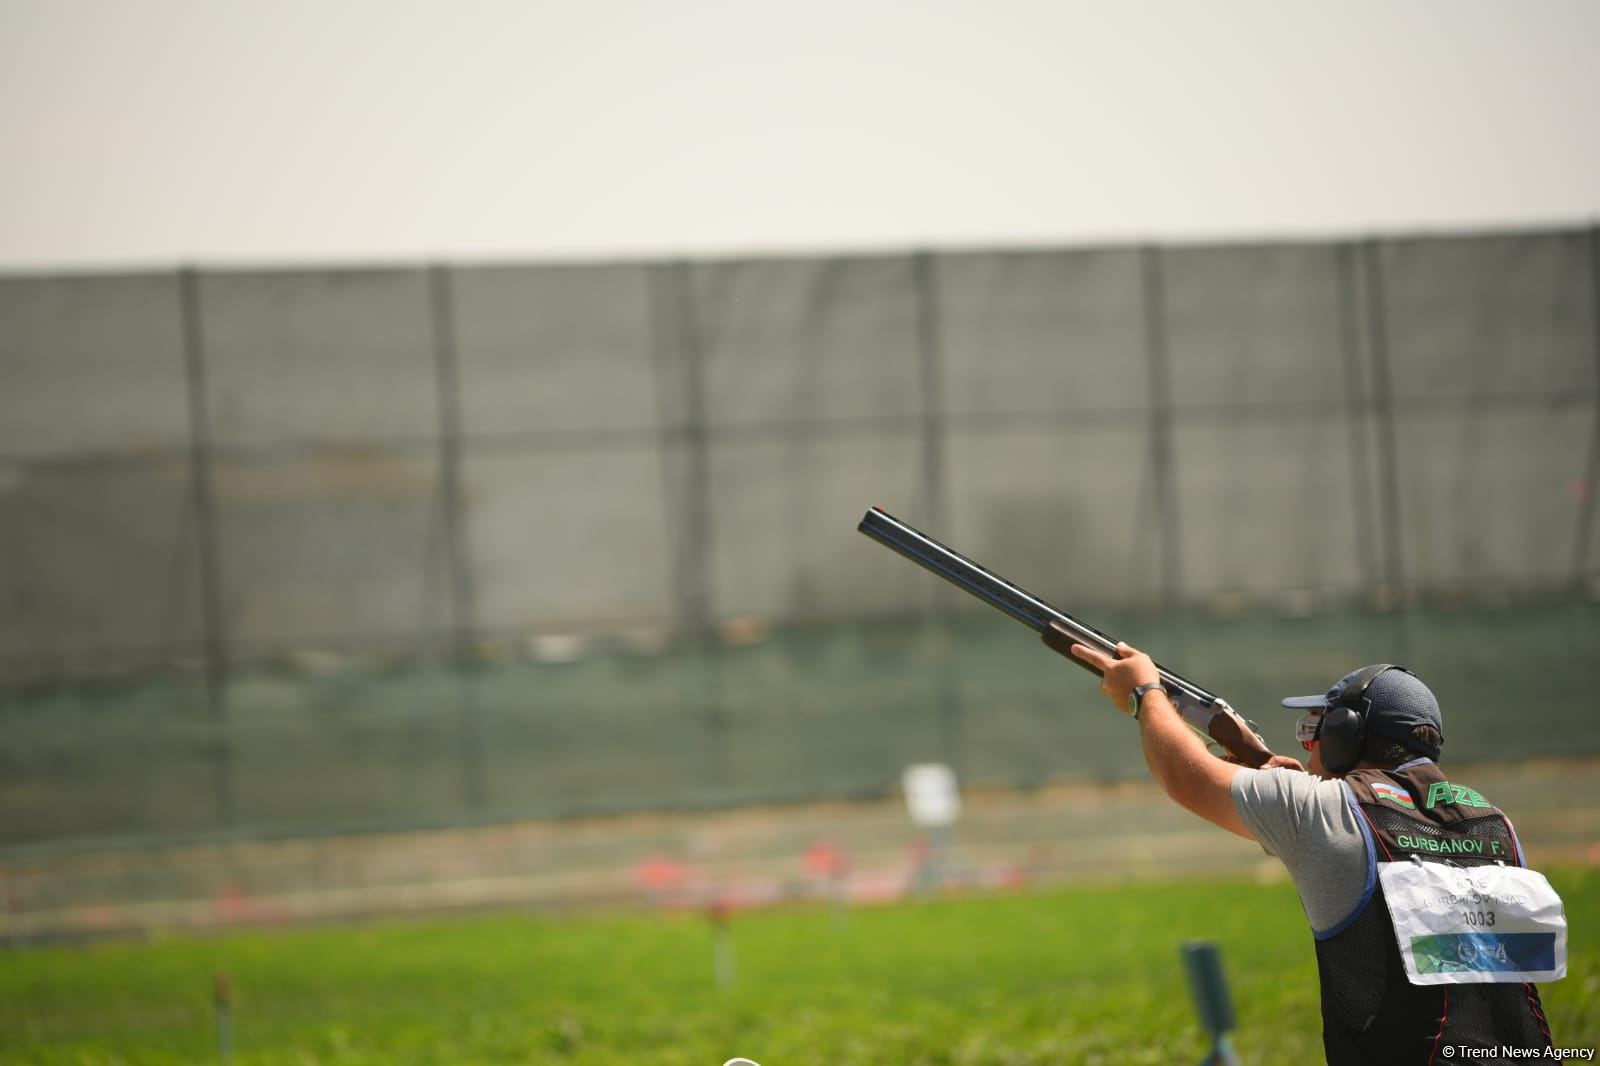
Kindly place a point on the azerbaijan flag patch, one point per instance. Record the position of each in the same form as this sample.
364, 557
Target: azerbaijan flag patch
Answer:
1394, 794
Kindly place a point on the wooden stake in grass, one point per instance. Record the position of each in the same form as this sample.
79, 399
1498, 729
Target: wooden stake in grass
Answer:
722, 965
222, 988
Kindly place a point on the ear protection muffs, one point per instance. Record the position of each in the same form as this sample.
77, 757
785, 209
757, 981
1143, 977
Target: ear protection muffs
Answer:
1345, 725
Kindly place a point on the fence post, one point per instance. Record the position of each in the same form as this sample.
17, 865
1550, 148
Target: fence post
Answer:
1586, 506
1165, 477
447, 374
1383, 406
679, 345
1349, 267
936, 623
1394, 595
200, 482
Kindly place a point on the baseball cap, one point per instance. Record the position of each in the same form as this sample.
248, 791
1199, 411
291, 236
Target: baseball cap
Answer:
1397, 702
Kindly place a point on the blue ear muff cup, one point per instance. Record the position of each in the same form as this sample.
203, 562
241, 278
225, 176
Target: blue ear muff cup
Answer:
1340, 738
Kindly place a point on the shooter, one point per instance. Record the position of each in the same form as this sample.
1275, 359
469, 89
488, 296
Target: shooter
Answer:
1430, 931
1374, 838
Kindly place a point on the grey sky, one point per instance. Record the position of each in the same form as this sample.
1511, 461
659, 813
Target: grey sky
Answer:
166, 130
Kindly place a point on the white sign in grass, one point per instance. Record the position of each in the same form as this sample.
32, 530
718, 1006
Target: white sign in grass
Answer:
931, 795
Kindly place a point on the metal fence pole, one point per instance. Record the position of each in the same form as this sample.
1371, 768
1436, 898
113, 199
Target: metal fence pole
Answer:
192, 321
1586, 507
661, 281
1161, 416
1356, 410
936, 621
702, 584
463, 637
680, 360
924, 276
1395, 591
1383, 407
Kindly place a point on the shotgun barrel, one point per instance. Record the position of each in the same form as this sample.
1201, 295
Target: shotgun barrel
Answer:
1006, 597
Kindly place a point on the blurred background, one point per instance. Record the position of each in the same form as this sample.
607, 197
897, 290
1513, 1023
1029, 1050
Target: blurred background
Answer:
431, 439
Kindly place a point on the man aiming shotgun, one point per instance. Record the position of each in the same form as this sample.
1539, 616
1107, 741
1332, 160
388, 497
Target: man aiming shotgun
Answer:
1429, 929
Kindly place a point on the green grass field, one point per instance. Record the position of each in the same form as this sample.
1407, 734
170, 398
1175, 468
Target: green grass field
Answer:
1081, 975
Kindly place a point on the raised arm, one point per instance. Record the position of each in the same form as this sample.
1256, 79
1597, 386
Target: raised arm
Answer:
1177, 757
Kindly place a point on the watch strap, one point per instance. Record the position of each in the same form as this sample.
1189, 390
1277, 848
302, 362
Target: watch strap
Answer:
1136, 697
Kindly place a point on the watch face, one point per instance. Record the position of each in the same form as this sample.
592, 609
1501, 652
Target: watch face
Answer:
1133, 703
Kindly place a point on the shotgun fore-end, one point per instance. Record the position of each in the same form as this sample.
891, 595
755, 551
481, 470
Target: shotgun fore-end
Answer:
1060, 637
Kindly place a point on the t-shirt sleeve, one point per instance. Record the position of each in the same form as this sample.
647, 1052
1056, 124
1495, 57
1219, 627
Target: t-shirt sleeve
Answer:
1310, 825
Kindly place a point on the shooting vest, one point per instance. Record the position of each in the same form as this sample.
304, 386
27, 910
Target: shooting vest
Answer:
1371, 1013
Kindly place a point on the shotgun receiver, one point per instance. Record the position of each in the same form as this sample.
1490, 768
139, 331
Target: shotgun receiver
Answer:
1205, 712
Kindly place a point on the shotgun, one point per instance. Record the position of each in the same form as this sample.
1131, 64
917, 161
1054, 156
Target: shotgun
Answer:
1205, 712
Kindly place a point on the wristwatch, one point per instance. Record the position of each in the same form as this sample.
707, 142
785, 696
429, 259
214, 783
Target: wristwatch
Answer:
1138, 694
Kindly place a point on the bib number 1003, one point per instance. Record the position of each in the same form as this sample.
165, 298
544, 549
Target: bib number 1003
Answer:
1477, 919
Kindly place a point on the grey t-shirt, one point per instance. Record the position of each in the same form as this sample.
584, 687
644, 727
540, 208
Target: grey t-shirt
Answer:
1311, 825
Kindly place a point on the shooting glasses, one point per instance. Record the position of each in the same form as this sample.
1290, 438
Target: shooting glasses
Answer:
1307, 728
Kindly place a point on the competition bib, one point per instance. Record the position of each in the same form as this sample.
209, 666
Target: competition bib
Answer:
1471, 926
